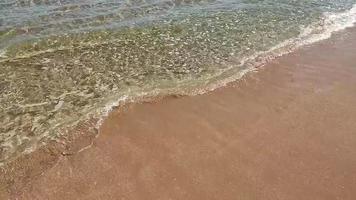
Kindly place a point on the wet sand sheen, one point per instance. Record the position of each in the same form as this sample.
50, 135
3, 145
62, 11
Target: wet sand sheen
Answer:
285, 132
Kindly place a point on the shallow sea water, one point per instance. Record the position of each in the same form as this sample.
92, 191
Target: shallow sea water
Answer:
64, 61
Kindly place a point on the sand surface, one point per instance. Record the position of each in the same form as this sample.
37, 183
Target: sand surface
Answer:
286, 132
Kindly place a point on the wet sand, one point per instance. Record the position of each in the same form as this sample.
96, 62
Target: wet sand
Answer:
285, 132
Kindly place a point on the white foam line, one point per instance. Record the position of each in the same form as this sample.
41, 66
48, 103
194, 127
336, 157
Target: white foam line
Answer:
108, 108
331, 23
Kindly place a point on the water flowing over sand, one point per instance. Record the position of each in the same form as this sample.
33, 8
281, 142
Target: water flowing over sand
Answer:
62, 62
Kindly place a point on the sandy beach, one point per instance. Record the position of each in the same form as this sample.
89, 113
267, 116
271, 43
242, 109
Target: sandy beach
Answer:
285, 132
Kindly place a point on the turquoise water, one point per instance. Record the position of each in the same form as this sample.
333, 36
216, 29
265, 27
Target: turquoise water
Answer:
64, 61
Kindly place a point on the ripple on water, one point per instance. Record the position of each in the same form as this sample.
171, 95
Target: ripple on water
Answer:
69, 64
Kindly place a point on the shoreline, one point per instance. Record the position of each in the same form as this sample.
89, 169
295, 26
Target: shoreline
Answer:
276, 107
314, 32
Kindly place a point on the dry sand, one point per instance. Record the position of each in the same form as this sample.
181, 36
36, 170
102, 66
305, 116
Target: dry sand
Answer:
286, 132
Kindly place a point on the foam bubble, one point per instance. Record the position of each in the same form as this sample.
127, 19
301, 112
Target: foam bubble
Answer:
323, 29
330, 23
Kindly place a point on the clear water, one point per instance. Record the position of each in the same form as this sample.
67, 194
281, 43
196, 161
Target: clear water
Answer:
63, 60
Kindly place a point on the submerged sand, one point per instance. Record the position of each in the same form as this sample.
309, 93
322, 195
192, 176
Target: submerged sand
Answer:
287, 131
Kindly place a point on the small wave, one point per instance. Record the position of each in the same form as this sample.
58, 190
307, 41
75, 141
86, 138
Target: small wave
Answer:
323, 29
331, 23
